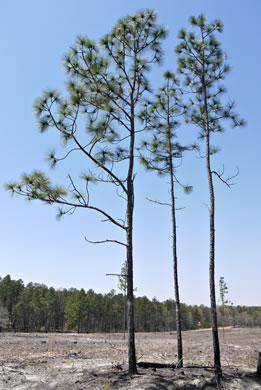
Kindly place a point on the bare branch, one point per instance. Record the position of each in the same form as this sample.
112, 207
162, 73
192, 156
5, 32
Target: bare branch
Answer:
201, 155
119, 195
67, 154
207, 206
228, 179
105, 241
121, 220
75, 189
180, 208
158, 202
124, 275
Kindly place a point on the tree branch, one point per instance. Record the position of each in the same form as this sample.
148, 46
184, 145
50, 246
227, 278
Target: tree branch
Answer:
158, 202
105, 241
228, 179
117, 180
124, 275
51, 200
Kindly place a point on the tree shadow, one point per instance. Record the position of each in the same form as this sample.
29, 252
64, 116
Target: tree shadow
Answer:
168, 380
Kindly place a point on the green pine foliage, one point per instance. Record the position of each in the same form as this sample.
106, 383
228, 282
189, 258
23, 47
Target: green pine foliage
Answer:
161, 117
38, 308
106, 81
203, 66
162, 154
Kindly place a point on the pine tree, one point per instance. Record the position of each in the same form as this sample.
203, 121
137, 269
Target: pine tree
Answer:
122, 285
203, 64
223, 291
76, 310
106, 84
162, 153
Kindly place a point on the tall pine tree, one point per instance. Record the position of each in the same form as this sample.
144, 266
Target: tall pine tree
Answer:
106, 84
203, 64
162, 153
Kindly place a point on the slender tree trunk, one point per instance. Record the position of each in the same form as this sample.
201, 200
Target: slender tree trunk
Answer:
78, 325
223, 323
175, 263
124, 312
130, 296
258, 370
217, 363
213, 306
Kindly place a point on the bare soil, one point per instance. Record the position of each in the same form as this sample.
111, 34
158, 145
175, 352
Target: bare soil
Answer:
99, 361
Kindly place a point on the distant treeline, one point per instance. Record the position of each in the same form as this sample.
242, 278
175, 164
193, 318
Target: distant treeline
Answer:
36, 307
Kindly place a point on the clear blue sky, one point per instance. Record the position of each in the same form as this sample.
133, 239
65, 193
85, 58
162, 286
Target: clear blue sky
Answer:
35, 247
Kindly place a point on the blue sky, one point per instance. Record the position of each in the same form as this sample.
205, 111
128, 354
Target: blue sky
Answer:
35, 247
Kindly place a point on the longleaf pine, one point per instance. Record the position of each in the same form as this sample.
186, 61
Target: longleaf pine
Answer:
202, 62
162, 153
107, 81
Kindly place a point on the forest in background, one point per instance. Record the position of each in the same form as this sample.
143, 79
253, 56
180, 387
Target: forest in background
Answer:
36, 307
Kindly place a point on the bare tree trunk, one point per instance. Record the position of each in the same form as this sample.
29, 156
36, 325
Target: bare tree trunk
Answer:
223, 324
175, 264
130, 296
124, 313
130, 305
258, 370
217, 363
213, 306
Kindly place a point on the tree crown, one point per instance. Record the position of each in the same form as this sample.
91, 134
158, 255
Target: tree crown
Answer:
107, 80
202, 62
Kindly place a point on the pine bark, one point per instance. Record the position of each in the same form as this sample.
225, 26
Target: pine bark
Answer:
217, 363
258, 370
130, 295
175, 262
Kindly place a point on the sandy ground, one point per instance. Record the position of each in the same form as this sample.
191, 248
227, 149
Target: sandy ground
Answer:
99, 361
